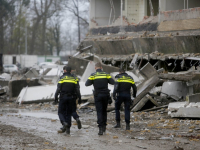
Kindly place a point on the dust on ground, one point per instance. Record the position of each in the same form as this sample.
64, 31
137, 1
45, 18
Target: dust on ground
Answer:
34, 126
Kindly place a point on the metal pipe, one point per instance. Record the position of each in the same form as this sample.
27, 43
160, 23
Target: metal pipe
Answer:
187, 4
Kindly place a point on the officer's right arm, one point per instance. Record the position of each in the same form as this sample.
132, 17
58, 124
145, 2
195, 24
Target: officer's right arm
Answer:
115, 90
89, 80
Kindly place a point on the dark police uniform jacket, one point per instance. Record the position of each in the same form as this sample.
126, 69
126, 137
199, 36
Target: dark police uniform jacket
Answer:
68, 84
100, 80
123, 84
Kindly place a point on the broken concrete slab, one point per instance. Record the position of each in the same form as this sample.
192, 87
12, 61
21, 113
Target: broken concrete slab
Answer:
140, 104
184, 110
148, 71
15, 86
88, 71
32, 73
145, 87
5, 77
193, 98
37, 94
175, 88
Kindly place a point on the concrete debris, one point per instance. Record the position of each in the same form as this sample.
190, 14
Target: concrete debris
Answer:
88, 71
32, 73
184, 110
151, 81
195, 98
178, 89
2, 91
37, 94
5, 76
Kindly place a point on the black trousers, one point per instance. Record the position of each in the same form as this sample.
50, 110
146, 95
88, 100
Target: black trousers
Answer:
101, 103
126, 99
74, 113
66, 109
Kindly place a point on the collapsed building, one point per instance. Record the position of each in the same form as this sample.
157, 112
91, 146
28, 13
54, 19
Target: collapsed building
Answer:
166, 28
142, 35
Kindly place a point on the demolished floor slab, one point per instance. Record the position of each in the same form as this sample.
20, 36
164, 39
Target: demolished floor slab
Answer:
184, 110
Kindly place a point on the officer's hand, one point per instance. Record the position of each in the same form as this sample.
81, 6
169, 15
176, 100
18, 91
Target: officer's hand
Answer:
110, 101
132, 100
79, 101
55, 101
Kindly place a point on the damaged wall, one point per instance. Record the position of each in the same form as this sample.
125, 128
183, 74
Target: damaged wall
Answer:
100, 11
130, 28
167, 45
177, 4
182, 14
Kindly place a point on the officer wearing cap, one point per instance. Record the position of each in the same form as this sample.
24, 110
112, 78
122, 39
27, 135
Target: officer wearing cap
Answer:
66, 87
100, 81
122, 94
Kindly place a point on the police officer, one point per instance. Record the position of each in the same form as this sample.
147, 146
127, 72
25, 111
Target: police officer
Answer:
100, 80
66, 87
123, 84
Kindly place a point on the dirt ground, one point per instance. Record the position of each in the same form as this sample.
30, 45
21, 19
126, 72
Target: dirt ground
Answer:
34, 126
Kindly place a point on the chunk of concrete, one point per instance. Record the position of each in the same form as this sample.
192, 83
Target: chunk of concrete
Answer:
88, 71
32, 73
37, 94
175, 88
184, 110
193, 98
148, 71
5, 76
145, 87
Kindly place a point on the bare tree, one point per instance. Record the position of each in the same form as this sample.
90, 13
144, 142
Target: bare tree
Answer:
42, 12
74, 7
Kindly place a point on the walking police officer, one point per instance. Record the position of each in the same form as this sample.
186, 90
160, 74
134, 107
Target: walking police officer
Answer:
66, 87
100, 80
123, 84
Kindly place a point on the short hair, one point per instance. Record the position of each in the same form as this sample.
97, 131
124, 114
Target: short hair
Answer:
98, 65
121, 70
67, 68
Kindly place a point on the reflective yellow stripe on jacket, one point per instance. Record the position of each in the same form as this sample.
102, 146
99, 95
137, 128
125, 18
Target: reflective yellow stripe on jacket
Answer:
126, 79
68, 80
99, 76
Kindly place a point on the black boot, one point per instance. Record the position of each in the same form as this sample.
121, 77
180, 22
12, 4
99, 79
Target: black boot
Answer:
66, 127
127, 126
68, 130
62, 130
78, 123
117, 125
104, 128
100, 131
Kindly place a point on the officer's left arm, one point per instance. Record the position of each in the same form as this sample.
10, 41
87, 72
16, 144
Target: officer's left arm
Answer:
77, 88
110, 79
89, 80
57, 91
134, 89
